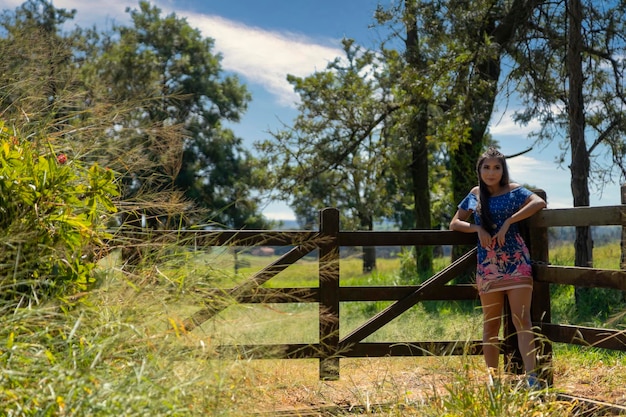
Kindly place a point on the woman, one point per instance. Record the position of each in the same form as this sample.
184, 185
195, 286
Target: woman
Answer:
503, 260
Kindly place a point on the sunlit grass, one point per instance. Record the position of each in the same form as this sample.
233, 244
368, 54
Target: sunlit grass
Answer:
122, 350
604, 256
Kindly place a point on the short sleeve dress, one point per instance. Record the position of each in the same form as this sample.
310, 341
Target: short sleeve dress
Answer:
502, 267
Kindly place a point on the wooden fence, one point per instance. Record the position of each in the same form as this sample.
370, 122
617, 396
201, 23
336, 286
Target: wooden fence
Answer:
330, 347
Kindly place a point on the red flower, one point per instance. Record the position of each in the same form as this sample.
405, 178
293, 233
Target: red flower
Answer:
61, 158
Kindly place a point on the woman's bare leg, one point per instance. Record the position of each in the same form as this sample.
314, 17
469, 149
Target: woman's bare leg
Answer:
492, 315
519, 301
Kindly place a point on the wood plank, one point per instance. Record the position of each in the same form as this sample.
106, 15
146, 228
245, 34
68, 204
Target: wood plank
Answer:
582, 277
292, 237
540, 309
435, 348
359, 350
579, 216
405, 238
270, 351
224, 237
264, 295
388, 293
281, 295
584, 336
328, 283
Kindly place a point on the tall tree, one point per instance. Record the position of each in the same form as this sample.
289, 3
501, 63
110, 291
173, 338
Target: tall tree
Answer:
580, 165
43, 92
586, 112
168, 71
455, 50
335, 152
486, 31
417, 131
447, 81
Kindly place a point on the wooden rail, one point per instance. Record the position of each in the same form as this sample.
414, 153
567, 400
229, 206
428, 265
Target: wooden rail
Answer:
330, 348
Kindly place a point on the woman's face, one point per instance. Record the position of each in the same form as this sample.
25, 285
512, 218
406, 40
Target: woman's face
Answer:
491, 172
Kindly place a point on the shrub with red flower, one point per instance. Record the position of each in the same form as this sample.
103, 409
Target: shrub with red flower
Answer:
53, 219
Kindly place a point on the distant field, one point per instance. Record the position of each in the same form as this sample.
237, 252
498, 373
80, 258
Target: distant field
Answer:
298, 322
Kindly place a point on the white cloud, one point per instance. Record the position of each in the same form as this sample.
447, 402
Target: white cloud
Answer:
265, 57
555, 181
543, 175
260, 56
93, 12
502, 124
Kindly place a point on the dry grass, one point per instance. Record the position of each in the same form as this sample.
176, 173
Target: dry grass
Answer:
289, 384
123, 349
402, 383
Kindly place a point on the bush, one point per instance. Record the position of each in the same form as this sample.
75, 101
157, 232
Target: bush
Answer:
52, 215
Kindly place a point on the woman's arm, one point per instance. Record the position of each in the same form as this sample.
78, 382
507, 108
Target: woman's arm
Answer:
533, 204
459, 223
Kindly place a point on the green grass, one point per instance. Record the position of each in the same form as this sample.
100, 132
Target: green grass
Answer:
604, 256
598, 306
122, 350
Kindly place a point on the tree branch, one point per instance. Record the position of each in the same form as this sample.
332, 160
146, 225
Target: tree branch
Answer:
519, 153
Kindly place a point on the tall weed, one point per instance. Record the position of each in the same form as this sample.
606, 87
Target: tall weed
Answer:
121, 351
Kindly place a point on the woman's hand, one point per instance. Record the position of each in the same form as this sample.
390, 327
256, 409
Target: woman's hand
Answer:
485, 239
501, 235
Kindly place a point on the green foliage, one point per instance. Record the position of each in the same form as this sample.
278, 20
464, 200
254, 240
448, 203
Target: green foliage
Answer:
336, 153
408, 267
594, 306
38, 89
466, 398
52, 218
408, 273
170, 75
539, 69
148, 100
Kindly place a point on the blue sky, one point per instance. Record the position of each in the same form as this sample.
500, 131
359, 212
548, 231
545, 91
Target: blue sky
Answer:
264, 40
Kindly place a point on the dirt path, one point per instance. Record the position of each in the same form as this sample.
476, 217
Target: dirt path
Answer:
294, 385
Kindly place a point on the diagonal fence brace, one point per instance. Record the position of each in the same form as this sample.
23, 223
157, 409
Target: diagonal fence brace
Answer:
400, 306
248, 287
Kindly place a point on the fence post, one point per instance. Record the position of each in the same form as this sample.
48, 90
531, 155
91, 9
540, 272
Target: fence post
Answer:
623, 257
537, 241
540, 311
512, 358
329, 294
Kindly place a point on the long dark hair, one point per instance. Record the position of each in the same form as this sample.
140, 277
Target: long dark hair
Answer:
483, 203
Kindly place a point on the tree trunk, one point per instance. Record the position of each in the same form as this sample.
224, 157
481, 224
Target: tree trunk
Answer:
580, 165
580, 156
421, 188
369, 252
463, 169
463, 160
418, 131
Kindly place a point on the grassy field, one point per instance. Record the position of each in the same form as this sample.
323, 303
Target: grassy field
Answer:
121, 350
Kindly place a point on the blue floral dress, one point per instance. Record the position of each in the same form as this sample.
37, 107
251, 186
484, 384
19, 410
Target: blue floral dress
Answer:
502, 267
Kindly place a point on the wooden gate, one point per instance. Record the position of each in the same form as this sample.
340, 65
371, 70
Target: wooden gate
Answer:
330, 347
